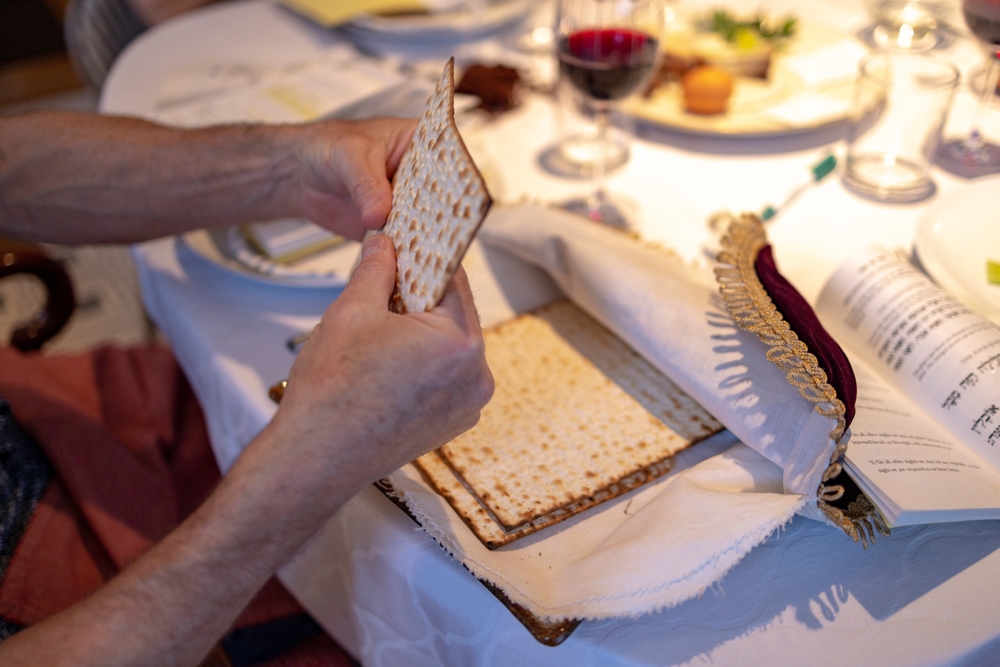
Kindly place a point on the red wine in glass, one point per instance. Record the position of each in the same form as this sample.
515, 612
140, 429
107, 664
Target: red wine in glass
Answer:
607, 64
606, 49
983, 19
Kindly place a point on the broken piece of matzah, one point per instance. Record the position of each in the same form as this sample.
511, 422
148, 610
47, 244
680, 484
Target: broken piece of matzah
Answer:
439, 199
577, 418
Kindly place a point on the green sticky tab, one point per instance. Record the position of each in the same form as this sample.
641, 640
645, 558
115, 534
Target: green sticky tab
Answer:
767, 213
824, 167
993, 272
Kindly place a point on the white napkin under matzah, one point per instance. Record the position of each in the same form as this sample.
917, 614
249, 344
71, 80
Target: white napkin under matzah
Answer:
669, 540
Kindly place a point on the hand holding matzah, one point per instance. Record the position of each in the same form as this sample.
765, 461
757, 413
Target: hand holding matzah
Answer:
345, 176
400, 385
372, 390
439, 200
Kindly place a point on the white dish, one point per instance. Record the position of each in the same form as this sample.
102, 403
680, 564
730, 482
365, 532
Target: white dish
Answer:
227, 248
380, 33
785, 103
954, 239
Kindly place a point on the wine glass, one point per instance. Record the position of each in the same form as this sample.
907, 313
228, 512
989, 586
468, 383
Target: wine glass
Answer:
973, 156
607, 49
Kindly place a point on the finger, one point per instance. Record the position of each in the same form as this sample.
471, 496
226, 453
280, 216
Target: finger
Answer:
375, 276
338, 215
348, 226
362, 169
458, 303
396, 134
400, 136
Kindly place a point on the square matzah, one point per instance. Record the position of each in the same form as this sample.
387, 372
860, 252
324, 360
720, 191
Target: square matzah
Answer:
577, 418
439, 199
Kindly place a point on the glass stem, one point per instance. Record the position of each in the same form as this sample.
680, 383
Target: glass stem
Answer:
596, 200
973, 144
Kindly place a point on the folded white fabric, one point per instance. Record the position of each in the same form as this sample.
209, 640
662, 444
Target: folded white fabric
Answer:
673, 538
673, 316
648, 550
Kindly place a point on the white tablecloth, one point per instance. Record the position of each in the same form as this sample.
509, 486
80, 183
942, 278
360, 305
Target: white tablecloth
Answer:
390, 595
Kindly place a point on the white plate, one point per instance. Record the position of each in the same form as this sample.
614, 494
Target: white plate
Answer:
781, 105
954, 239
222, 247
379, 33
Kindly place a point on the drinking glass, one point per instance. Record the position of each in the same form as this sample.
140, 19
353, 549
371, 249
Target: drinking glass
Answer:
908, 25
898, 109
607, 49
973, 156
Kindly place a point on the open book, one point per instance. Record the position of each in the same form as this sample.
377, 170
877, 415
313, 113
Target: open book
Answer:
924, 445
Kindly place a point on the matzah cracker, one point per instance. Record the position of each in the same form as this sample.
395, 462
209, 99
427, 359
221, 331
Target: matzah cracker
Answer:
577, 418
489, 531
439, 199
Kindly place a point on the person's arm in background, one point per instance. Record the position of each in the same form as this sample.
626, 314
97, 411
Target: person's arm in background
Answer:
370, 391
80, 178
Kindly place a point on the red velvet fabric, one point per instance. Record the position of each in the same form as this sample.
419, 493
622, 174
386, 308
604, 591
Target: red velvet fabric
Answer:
801, 317
128, 444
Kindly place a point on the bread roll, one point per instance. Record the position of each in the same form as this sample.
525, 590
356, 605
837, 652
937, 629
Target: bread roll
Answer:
707, 89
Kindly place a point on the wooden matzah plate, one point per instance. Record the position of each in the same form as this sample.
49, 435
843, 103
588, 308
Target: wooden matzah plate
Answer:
550, 633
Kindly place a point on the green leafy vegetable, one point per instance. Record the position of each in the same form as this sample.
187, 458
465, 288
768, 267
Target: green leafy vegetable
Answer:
745, 33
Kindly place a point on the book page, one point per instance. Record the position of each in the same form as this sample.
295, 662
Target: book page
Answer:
936, 352
896, 453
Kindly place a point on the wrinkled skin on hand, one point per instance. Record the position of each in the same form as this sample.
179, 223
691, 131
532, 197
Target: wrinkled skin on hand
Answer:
384, 388
345, 172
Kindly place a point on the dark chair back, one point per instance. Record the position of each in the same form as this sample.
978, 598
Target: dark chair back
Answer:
17, 257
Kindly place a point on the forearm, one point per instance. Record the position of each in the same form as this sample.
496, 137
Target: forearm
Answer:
370, 391
173, 604
81, 178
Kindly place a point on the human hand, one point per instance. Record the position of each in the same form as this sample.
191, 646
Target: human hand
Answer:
345, 170
371, 390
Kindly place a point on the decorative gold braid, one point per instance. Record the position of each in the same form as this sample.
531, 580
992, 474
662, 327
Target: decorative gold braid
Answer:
860, 520
752, 309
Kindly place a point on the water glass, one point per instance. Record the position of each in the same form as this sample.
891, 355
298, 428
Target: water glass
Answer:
898, 109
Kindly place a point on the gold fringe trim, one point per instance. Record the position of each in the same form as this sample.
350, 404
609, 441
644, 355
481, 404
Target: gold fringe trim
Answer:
752, 309
860, 520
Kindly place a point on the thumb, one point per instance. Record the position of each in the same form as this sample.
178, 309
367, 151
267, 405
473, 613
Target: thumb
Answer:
363, 172
375, 275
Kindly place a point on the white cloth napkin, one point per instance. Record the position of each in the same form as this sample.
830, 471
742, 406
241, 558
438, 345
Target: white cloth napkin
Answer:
651, 549
669, 540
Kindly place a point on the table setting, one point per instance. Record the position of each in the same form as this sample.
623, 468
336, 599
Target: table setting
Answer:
724, 555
